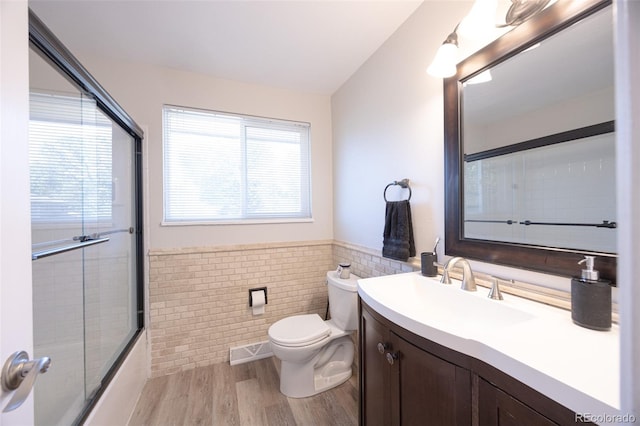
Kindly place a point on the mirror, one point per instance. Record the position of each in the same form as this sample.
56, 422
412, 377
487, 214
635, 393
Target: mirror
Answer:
530, 154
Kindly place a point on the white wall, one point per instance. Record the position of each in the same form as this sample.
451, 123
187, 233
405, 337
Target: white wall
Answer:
388, 125
586, 110
142, 90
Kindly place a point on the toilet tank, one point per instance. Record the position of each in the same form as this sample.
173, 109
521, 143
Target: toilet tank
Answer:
343, 300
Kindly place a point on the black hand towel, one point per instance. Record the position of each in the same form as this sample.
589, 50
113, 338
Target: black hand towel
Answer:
398, 240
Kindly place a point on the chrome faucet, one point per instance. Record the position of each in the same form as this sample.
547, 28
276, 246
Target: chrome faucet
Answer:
468, 280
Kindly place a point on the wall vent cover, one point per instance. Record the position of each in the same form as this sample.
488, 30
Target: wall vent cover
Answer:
248, 353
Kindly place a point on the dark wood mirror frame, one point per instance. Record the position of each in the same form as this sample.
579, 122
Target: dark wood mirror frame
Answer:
548, 260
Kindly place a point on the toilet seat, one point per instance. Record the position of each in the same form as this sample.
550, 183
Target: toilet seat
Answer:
299, 330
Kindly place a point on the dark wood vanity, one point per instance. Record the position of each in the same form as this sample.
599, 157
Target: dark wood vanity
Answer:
406, 379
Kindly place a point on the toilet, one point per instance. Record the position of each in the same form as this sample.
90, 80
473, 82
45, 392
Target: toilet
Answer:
316, 355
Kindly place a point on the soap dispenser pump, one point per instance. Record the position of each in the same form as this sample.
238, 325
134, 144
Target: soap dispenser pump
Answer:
591, 298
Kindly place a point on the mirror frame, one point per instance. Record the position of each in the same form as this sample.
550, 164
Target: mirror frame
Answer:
550, 21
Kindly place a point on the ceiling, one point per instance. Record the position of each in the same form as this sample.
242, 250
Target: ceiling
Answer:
304, 45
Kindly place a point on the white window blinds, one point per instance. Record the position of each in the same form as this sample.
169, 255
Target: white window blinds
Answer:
70, 159
221, 167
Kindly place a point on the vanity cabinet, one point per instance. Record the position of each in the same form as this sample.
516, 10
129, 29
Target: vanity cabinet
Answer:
497, 408
406, 379
399, 381
375, 372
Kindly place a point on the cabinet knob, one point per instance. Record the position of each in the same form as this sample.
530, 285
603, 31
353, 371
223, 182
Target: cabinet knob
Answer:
382, 347
391, 357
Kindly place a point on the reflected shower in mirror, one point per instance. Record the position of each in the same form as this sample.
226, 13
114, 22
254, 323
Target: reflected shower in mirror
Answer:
557, 195
529, 175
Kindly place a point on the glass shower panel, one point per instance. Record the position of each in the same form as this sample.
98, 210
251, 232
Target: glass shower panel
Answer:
110, 298
55, 136
59, 333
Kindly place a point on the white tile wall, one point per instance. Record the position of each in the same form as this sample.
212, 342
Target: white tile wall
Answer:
571, 182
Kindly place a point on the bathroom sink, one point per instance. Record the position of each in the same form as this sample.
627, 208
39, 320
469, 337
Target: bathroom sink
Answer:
535, 343
443, 306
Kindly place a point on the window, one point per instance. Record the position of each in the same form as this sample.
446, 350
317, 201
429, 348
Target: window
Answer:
70, 159
222, 167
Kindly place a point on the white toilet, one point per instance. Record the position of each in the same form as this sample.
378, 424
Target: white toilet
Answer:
316, 355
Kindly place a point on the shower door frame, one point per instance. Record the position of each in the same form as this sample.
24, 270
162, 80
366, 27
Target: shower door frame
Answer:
42, 39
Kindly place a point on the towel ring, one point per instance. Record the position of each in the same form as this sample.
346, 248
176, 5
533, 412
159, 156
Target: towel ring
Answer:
404, 183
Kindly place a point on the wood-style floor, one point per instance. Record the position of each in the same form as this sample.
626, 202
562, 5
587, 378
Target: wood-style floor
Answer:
244, 395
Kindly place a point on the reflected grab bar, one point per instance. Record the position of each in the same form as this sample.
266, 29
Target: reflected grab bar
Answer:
508, 222
604, 224
45, 253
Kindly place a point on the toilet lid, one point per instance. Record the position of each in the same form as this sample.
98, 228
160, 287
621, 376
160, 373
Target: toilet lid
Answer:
299, 330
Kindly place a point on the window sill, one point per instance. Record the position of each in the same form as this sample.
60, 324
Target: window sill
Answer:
239, 222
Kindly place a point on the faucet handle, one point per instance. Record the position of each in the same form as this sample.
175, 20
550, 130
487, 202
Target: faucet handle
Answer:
494, 293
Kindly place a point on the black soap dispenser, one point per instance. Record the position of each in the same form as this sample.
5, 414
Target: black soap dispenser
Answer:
591, 298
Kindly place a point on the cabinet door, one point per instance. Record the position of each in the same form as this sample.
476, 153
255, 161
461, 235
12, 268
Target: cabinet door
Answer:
374, 372
496, 407
427, 390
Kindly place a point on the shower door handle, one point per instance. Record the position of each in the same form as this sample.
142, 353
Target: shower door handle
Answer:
20, 374
58, 250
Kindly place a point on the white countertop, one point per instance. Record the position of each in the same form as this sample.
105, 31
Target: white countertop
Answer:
535, 343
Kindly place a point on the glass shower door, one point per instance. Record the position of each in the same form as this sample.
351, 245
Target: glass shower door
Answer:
83, 215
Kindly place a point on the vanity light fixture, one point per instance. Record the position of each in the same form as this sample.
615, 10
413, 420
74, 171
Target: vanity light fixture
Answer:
480, 17
444, 63
521, 10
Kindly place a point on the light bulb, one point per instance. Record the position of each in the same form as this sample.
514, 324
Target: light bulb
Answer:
444, 63
480, 21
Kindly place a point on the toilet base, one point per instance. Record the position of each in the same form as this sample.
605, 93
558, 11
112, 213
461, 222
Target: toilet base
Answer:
331, 376
328, 369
